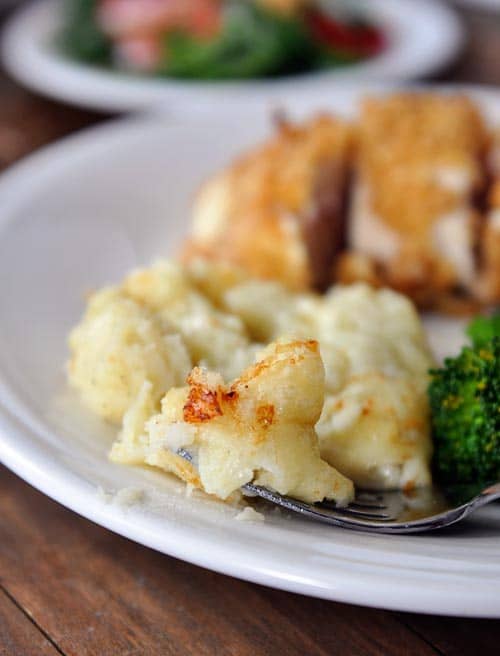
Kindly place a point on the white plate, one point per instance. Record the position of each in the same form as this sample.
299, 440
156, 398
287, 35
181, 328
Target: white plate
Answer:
424, 37
78, 215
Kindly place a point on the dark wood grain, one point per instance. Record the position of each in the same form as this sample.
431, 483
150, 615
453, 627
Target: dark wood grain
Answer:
480, 61
70, 587
457, 637
28, 122
97, 594
18, 634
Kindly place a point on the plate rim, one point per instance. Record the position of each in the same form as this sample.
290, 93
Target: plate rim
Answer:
54, 481
349, 588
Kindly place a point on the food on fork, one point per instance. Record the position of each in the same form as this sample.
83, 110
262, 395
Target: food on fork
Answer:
407, 196
374, 427
259, 428
139, 340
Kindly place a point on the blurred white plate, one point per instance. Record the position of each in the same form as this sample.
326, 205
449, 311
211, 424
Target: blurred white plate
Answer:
424, 36
78, 215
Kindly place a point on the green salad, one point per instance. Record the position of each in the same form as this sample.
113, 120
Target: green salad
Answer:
215, 39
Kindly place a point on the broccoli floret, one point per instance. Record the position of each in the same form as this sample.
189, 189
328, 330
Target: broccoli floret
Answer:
482, 329
465, 405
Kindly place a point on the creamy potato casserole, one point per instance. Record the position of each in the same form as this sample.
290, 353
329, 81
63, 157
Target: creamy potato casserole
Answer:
304, 393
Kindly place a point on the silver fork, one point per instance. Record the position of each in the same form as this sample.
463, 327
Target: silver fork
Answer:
381, 512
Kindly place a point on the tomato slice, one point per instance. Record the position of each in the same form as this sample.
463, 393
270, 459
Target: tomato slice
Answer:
355, 39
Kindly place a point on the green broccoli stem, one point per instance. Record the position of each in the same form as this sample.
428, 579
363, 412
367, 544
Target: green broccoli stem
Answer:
482, 329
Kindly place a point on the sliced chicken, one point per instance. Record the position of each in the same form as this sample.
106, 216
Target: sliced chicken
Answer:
278, 212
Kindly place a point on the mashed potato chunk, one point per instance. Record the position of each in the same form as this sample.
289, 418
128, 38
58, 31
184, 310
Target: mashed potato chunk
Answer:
215, 339
138, 342
259, 429
375, 421
154, 327
117, 346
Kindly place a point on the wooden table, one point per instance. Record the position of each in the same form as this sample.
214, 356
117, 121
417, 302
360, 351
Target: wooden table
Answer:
70, 587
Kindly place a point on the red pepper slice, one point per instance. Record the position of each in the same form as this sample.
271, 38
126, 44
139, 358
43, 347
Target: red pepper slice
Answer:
361, 40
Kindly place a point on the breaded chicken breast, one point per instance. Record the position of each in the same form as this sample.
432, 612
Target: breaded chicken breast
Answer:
276, 212
396, 199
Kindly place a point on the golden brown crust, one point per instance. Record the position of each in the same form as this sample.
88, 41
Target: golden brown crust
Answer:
494, 195
402, 138
422, 158
202, 403
265, 414
207, 401
419, 162
251, 373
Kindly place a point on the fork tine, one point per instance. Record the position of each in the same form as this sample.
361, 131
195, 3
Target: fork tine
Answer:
376, 506
355, 512
366, 495
364, 515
